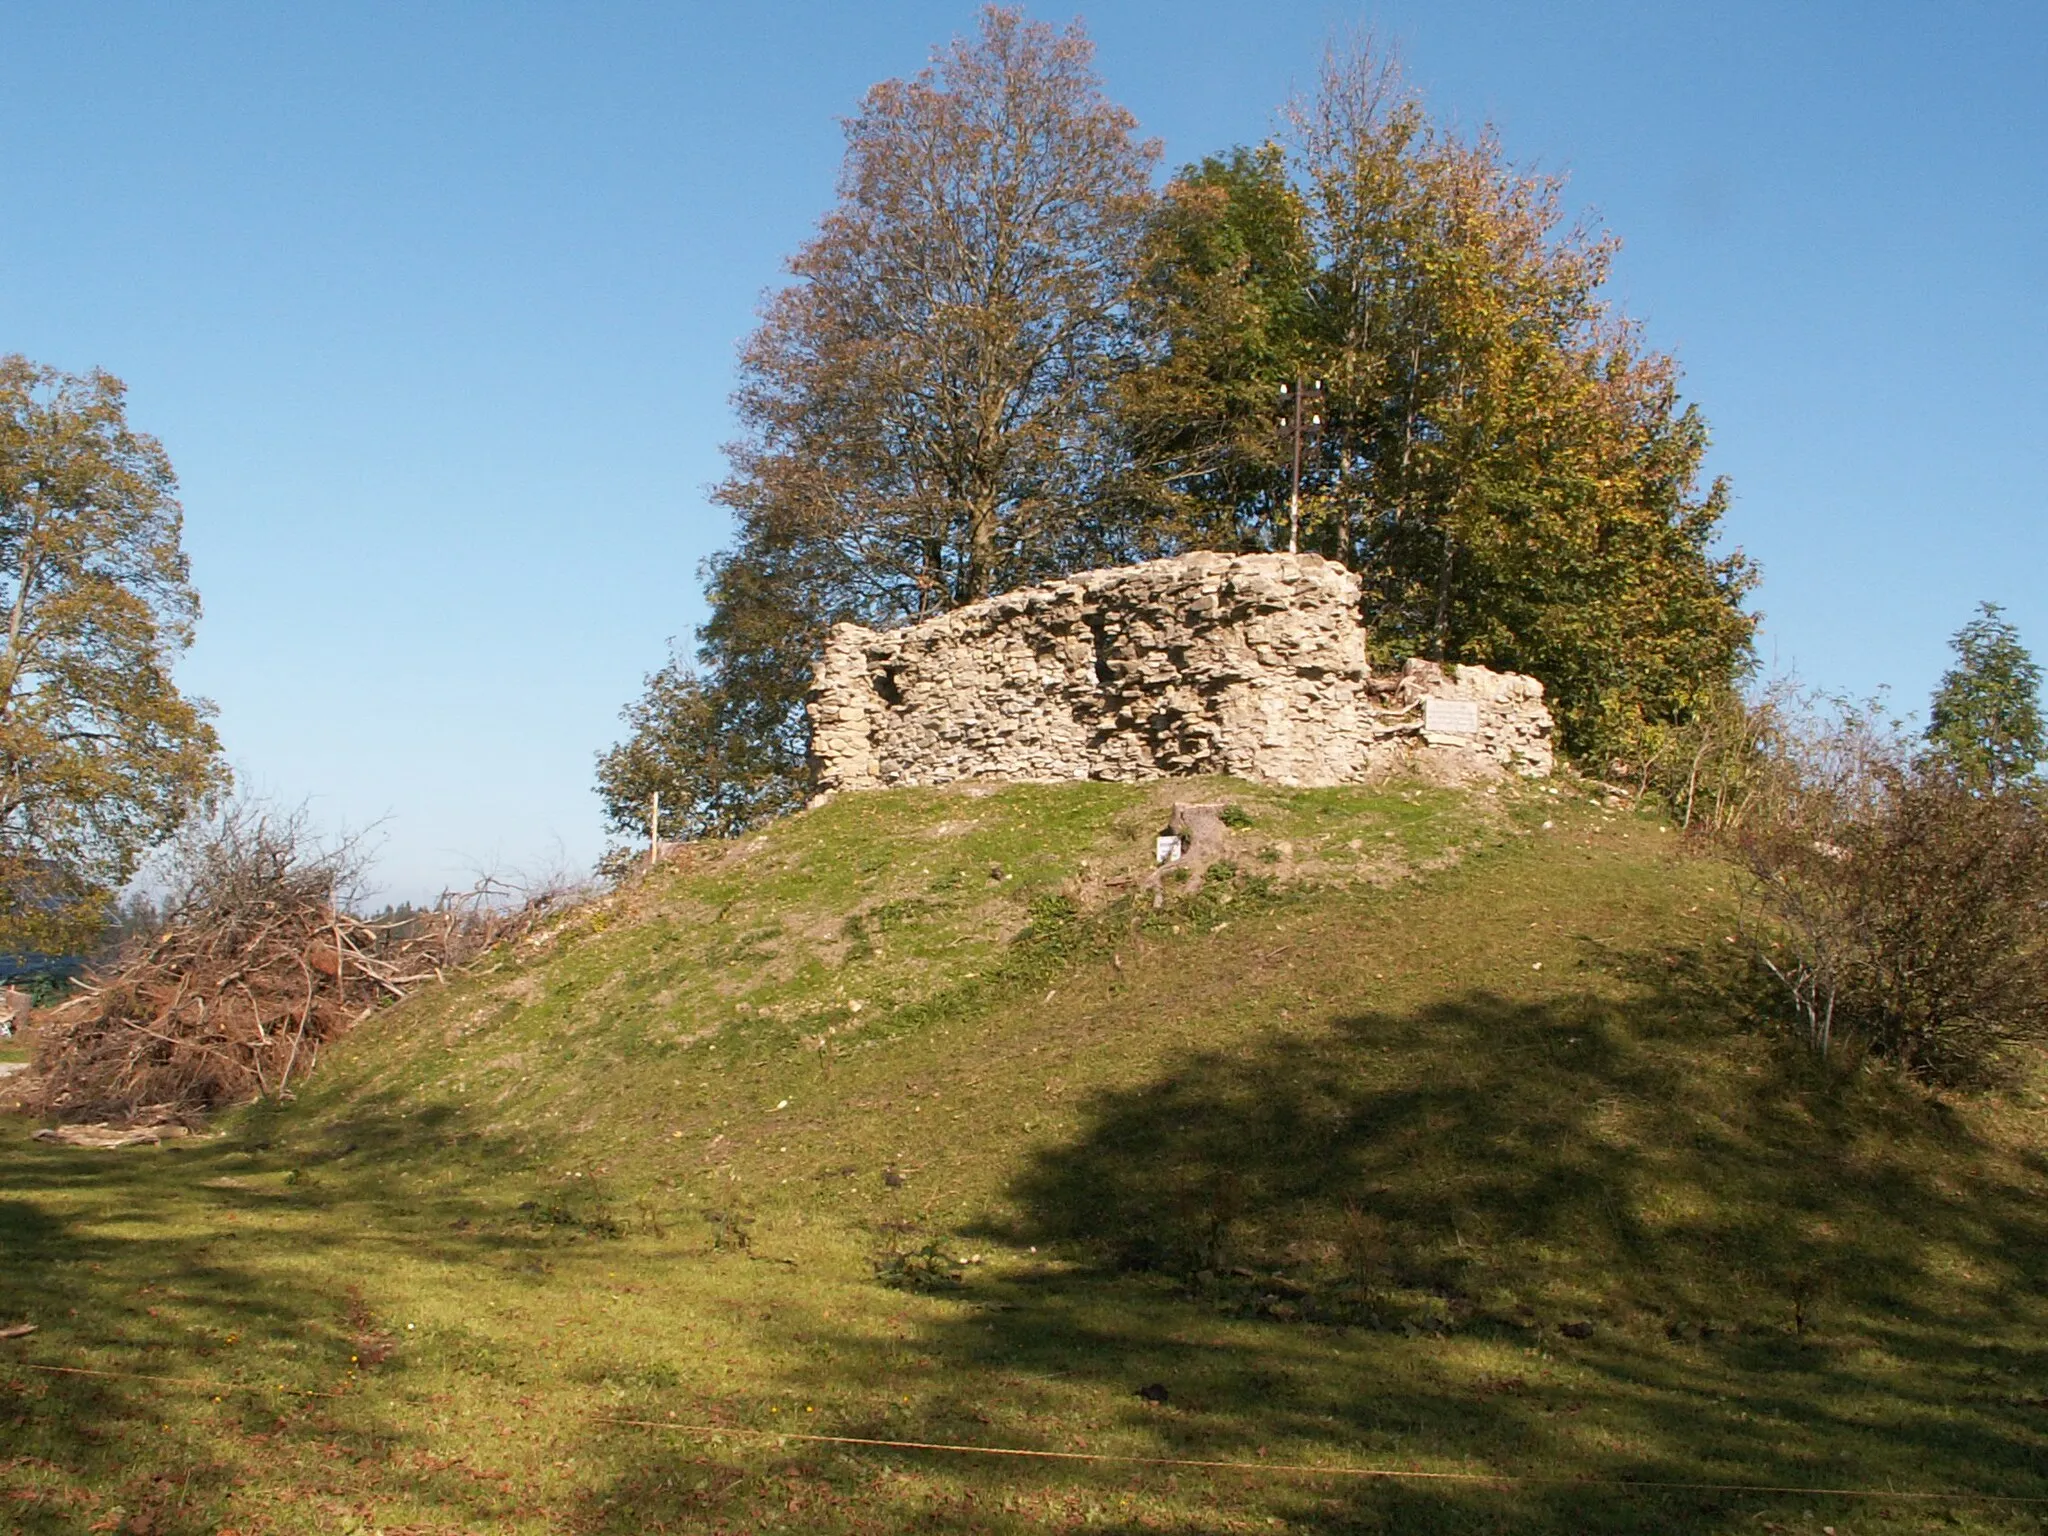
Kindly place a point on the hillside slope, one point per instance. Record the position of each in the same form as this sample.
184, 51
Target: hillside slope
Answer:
1435, 1133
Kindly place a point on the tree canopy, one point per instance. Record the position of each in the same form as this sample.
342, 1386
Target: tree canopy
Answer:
923, 406
101, 757
1003, 356
715, 775
1985, 724
1502, 458
924, 403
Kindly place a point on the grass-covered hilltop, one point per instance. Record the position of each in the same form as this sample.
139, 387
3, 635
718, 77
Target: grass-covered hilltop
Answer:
1437, 1133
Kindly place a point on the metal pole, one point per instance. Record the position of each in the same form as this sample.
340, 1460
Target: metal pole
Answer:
654, 829
1294, 492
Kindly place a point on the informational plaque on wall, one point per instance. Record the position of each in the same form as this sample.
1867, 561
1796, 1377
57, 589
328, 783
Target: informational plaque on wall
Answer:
1450, 717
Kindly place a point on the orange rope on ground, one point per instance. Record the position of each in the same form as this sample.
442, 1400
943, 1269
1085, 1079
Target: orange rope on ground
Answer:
1292, 1469
1299, 1469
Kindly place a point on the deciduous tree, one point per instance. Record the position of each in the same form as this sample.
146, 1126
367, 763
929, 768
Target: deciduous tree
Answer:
101, 756
926, 397
1226, 311
1985, 724
1003, 359
716, 775
1503, 460
923, 406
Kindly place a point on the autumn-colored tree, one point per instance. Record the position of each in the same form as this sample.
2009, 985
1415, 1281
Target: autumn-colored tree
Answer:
926, 398
101, 757
924, 404
1502, 458
1003, 359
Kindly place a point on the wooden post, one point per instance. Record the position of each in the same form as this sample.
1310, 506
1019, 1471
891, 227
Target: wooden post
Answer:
654, 829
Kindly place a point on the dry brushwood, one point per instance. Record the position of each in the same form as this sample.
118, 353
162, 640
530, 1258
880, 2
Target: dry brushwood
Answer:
256, 967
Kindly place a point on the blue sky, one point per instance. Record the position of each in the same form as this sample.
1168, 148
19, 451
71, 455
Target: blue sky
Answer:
435, 308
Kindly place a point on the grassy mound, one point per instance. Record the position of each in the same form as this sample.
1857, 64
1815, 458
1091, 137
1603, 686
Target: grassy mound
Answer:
1434, 1134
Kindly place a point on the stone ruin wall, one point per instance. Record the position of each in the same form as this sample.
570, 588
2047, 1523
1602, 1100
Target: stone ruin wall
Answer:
1253, 665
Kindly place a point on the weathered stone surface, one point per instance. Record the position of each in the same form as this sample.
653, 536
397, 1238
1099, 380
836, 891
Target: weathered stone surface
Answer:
1252, 665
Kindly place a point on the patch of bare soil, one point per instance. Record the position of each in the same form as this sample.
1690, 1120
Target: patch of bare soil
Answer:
104, 1136
17, 1088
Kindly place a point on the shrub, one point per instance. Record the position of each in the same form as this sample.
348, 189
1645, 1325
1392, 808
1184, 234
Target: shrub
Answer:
1722, 768
1902, 903
1949, 904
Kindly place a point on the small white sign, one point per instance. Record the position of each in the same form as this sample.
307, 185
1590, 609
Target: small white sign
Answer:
1450, 717
1166, 848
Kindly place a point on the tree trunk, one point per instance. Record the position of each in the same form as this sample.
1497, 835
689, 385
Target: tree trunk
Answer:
981, 550
1442, 626
931, 586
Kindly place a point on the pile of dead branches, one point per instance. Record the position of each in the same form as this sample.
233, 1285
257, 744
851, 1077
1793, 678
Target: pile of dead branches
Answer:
256, 966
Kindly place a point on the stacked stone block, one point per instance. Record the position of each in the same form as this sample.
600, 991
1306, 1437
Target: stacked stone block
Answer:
1253, 665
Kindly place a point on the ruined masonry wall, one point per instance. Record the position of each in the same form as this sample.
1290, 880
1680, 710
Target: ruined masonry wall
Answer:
1252, 665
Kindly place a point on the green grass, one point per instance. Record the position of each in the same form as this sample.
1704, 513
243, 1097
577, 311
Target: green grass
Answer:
913, 1119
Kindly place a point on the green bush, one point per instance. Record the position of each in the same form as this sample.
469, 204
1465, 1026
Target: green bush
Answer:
1912, 910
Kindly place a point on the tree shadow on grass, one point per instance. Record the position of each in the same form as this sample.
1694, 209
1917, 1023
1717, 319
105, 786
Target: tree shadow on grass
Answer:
1591, 1243
1783, 1275
198, 1309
